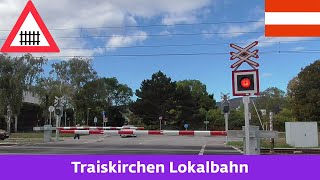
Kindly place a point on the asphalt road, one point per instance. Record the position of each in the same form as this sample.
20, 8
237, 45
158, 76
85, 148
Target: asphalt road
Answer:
101, 144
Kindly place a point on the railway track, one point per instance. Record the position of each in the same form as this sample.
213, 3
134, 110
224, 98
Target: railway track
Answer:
292, 151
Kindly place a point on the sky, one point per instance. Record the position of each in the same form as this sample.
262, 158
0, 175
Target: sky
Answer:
185, 39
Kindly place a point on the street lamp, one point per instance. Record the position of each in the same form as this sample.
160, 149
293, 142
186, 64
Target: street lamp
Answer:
160, 119
88, 116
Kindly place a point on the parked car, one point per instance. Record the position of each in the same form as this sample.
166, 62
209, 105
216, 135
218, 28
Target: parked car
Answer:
127, 128
3, 134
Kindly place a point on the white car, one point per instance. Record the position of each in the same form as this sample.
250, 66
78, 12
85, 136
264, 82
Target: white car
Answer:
127, 128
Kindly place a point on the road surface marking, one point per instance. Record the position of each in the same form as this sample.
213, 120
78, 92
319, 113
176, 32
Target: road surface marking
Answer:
237, 149
202, 150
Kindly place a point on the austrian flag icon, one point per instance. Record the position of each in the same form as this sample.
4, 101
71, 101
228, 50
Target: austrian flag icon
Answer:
292, 18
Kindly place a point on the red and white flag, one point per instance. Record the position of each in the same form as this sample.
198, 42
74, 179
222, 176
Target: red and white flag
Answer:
292, 18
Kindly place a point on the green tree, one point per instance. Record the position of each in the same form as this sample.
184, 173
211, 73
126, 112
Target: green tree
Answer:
104, 94
155, 98
184, 108
304, 93
17, 75
73, 75
203, 101
285, 115
199, 93
272, 99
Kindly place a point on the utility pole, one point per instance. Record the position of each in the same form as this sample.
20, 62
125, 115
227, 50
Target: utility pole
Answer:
271, 129
225, 108
88, 116
246, 101
160, 119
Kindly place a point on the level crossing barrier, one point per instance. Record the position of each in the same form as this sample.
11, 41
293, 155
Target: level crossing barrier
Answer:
147, 132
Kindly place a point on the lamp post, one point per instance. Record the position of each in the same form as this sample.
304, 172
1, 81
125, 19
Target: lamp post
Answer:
88, 116
160, 119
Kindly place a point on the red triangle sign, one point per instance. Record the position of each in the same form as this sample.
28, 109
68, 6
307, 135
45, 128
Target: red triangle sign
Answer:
29, 34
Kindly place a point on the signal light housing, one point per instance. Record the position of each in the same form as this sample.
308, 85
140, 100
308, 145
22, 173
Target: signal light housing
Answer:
58, 111
245, 82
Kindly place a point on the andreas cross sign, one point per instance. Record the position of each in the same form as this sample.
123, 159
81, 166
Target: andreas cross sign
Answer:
29, 34
245, 82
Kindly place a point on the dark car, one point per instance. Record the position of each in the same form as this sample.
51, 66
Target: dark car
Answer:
3, 134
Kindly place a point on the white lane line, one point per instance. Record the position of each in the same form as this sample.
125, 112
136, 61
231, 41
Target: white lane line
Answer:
237, 149
202, 150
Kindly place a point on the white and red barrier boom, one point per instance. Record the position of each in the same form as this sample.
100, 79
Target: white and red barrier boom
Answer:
99, 128
147, 132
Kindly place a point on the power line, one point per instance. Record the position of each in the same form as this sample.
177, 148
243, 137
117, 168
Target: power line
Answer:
150, 55
152, 25
182, 54
156, 35
180, 45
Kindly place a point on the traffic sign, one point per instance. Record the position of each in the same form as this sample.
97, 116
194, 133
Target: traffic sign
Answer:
206, 122
59, 101
30, 34
245, 82
186, 126
95, 120
51, 109
244, 55
59, 111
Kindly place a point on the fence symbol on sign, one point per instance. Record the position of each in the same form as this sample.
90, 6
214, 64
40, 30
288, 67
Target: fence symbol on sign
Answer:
29, 34
29, 37
244, 55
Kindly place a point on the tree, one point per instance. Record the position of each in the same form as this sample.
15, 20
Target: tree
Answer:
184, 108
199, 93
285, 115
304, 93
17, 75
104, 94
273, 100
203, 102
155, 98
72, 76
75, 72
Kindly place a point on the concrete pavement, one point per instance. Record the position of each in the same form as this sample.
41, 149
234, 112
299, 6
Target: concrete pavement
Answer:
102, 144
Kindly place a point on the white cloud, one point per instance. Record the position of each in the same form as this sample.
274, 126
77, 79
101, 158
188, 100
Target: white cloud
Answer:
117, 41
267, 41
73, 15
265, 75
300, 48
172, 19
234, 30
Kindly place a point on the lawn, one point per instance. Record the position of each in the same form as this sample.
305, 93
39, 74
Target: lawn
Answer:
265, 143
31, 135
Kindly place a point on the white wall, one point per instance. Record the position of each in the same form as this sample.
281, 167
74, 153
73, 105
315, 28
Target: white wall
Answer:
302, 134
30, 98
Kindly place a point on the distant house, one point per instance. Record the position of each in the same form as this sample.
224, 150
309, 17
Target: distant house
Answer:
29, 113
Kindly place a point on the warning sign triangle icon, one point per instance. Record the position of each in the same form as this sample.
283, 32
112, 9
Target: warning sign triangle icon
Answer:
29, 34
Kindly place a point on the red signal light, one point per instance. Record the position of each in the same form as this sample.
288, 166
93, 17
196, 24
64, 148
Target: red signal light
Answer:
245, 82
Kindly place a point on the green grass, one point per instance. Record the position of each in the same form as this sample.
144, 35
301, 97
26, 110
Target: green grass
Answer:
30, 137
33, 135
265, 143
